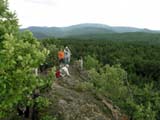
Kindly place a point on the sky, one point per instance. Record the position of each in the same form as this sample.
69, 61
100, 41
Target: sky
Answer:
61, 13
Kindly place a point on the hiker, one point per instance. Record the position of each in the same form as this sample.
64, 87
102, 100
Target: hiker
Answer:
64, 71
67, 55
35, 112
61, 56
81, 63
23, 111
36, 71
42, 68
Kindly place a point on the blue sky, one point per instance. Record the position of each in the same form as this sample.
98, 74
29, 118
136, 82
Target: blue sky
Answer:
134, 13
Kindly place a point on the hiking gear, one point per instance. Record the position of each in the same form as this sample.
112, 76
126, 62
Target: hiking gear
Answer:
58, 74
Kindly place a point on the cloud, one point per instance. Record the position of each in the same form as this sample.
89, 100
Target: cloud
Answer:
136, 13
43, 2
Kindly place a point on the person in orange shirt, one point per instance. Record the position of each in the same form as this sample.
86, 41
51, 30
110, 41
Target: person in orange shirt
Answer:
61, 56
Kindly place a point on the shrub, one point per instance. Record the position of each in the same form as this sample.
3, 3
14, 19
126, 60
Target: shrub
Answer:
84, 86
90, 62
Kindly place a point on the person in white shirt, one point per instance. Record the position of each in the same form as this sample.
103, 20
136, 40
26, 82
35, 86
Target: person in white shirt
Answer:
81, 63
67, 55
64, 71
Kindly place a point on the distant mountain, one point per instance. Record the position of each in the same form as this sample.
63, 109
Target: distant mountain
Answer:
80, 30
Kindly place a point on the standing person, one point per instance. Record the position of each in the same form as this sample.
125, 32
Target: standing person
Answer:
67, 55
36, 71
61, 56
35, 112
81, 63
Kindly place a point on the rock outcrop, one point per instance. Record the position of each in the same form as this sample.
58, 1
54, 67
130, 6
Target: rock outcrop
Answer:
67, 103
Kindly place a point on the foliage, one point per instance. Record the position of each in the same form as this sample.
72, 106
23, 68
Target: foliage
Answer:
17, 78
84, 86
110, 81
42, 102
20, 53
47, 81
144, 103
47, 117
90, 62
138, 54
139, 58
141, 112
52, 58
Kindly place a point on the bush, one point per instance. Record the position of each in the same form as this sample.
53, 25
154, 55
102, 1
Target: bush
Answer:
111, 81
90, 62
42, 102
47, 117
84, 86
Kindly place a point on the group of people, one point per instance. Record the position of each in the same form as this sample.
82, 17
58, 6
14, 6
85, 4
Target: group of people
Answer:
64, 57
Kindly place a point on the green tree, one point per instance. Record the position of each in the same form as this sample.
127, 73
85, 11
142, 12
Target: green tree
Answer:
91, 62
20, 53
110, 81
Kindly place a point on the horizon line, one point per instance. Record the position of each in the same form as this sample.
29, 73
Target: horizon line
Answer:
21, 26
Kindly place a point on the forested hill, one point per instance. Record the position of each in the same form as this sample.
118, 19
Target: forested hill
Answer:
82, 29
152, 38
